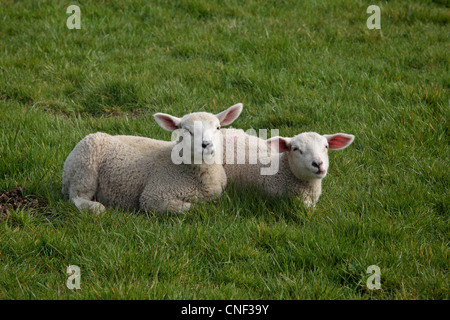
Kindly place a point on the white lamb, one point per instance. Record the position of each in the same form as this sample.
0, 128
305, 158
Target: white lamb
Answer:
138, 173
301, 162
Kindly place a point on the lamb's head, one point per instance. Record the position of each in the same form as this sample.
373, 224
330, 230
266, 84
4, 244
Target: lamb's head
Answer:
308, 152
200, 131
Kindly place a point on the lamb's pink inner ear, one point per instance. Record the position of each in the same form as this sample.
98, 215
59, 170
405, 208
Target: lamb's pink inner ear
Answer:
278, 144
167, 123
339, 141
228, 116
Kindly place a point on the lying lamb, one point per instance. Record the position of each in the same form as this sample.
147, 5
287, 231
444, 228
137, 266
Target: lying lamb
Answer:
139, 173
301, 162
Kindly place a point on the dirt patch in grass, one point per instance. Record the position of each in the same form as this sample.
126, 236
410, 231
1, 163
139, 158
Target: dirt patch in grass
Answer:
16, 200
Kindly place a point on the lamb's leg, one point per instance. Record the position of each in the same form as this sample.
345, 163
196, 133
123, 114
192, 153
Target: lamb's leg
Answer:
83, 187
310, 201
80, 175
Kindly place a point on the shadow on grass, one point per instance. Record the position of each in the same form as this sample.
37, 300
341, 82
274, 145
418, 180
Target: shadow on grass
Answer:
235, 203
250, 202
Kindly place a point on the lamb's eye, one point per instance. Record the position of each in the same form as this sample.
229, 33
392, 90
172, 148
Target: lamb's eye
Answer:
297, 149
326, 147
218, 128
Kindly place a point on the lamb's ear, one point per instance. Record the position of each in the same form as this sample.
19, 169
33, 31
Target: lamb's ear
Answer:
279, 144
228, 116
166, 121
339, 140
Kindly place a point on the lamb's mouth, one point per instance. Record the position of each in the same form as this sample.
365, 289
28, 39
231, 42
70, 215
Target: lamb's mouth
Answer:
320, 172
209, 154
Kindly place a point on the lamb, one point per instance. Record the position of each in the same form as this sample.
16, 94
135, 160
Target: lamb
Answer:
301, 162
138, 173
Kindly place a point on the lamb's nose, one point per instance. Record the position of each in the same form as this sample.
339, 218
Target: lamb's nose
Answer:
317, 164
205, 144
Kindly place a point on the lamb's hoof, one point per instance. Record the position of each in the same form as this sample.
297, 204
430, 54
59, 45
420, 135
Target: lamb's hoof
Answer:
185, 206
83, 204
97, 208
309, 204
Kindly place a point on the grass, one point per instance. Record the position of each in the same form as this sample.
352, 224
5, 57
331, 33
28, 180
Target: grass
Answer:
296, 66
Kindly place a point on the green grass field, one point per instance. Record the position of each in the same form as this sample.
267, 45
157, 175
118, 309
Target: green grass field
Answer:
297, 66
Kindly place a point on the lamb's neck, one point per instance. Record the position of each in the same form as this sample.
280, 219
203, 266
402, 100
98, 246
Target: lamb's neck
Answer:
206, 167
212, 178
296, 186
